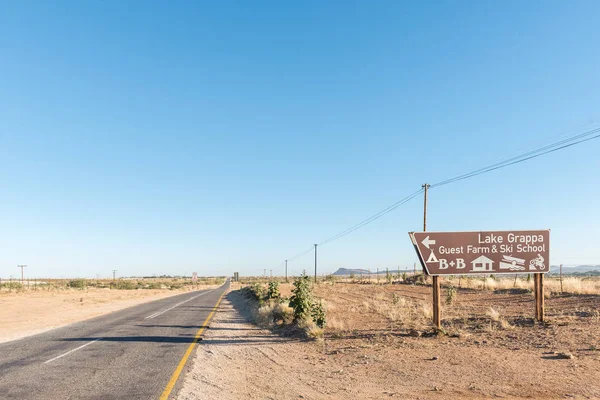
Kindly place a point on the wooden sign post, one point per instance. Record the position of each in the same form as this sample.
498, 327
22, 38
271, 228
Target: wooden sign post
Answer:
484, 253
538, 289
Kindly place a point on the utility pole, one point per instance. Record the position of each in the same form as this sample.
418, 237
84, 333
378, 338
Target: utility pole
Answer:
271, 273
315, 263
22, 276
114, 274
425, 187
286, 278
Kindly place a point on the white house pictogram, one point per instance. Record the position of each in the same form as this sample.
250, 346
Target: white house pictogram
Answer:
482, 264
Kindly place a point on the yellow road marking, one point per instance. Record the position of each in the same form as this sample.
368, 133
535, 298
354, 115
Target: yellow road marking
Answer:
165, 394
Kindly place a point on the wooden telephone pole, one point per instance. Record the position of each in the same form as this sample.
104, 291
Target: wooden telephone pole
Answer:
22, 274
316, 263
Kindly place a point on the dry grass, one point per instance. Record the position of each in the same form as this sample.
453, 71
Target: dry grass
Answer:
311, 329
336, 324
400, 310
571, 285
8, 287
272, 313
497, 317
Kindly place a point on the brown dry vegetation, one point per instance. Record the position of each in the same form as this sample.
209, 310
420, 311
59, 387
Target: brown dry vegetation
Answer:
50, 285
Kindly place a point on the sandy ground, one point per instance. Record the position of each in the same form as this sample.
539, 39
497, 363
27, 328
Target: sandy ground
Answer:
31, 312
368, 355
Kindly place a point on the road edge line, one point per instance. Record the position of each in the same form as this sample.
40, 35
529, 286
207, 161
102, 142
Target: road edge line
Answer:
167, 392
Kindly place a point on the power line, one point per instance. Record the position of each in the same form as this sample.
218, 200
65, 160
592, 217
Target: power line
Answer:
372, 218
301, 254
360, 224
571, 141
562, 144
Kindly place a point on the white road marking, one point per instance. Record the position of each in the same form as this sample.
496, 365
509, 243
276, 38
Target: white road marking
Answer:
70, 351
156, 314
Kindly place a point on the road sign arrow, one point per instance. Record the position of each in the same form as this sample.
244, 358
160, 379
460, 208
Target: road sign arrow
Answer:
428, 241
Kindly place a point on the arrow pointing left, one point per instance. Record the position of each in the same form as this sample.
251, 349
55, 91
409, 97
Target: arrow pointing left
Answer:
428, 241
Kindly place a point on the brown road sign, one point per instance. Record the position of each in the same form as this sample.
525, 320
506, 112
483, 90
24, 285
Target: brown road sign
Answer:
491, 252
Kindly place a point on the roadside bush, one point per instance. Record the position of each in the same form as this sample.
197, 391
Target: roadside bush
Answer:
301, 301
311, 329
274, 313
257, 290
12, 286
303, 305
273, 291
77, 284
122, 285
318, 314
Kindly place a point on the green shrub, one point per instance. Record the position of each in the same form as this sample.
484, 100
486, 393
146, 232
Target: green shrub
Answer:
122, 285
301, 300
77, 284
12, 286
318, 314
273, 291
154, 285
258, 291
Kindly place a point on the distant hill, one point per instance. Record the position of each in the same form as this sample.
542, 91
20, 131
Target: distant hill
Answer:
578, 270
357, 271
348, 271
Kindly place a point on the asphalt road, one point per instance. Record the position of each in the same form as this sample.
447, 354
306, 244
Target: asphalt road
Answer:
127, 354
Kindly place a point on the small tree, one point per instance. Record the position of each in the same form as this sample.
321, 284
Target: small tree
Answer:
318, 314
273, 292
301, 300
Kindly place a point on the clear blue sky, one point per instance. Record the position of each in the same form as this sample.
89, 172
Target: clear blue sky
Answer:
228, 136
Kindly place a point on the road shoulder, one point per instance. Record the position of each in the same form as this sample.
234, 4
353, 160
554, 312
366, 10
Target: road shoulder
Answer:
238, 360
